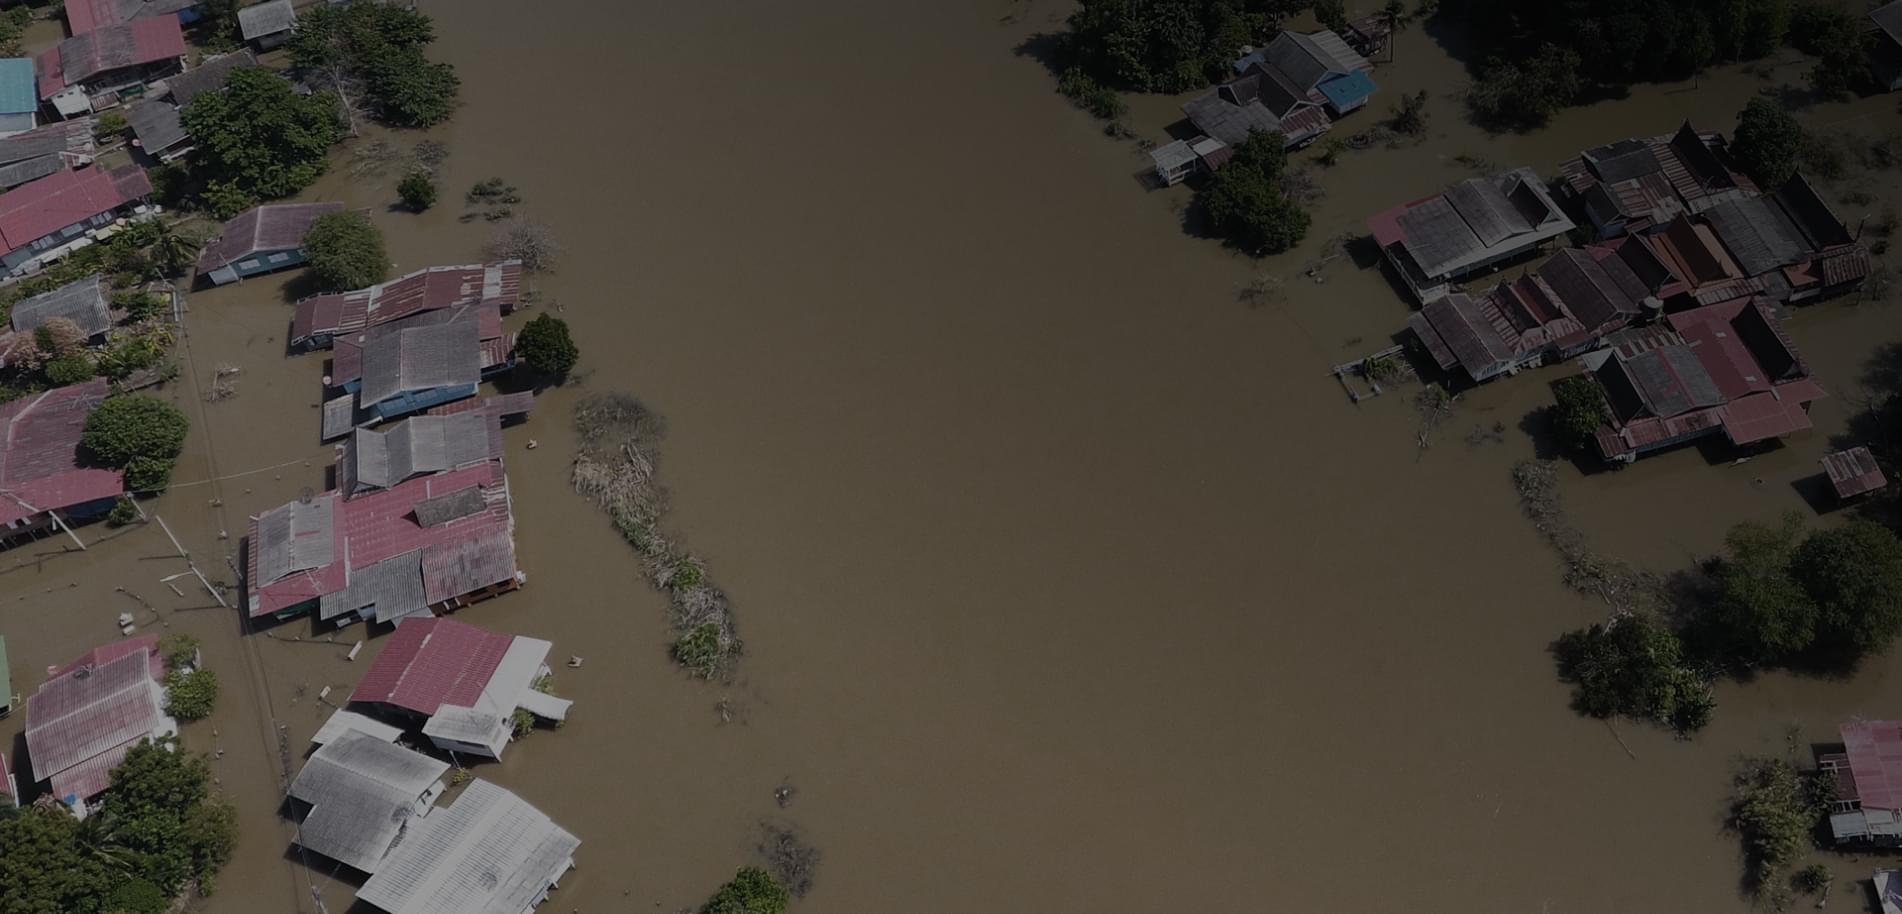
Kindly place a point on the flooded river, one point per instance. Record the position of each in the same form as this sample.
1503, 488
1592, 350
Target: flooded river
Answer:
1068, 581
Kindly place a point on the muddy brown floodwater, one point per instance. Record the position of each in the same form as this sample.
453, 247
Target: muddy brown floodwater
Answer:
1068, 581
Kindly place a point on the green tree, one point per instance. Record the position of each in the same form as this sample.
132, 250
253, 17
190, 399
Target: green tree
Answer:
546, 348
1396, 18
418, 190
1633, 667
1761, 614
1774, 809
126, 428
68, 369
13, 25
1527, 94
218, 22
1580, 412
179, 650
1766, 143
1853, 575
1165, 45
191, 695
257, 140
174, 252
1245, 203
345, 250
159, 815
46, 869
751, 891
1332, 14
374, 52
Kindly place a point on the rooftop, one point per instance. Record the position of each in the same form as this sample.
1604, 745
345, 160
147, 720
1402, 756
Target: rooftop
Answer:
416, 446
420, 358
47, 205
489, 853
362, 791
39, 453
18, 91
413, 293
111, 47
266, 19
156, 125
1853, 472
208, 75
272, 227
82, 301
1472, 222
428, 663
95, 708
62, 139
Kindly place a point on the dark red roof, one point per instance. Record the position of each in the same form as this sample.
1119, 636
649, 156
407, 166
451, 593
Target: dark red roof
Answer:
39, 453
63, 198
498, 284
1853, 472
106, 653
432, 662
272, 227
1875, 758
109, 47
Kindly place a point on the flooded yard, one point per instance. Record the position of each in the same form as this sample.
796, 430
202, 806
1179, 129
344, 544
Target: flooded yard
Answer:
1068, 581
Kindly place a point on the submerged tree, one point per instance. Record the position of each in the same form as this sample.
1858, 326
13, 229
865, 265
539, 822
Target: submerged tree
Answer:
1633, 667
1766, 143
1245, 200
257, 140
1581, 410
546, 348
371, 54
345, 250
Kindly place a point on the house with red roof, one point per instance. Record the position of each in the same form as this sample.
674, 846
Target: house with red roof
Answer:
321, 319
464, 682
1727, 369
91, 712
425, 544
50, 217
83, 16
1868, 775
260, 240
108, 59
42, 482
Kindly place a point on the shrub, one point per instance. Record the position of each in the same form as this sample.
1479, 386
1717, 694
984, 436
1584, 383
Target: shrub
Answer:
1091, 96
532, 243
137, 896
190, 696
124, 511
1767, 143
148, 474
1811, 879
59, 336
1526, 94
418, 190
1774, 809
699, 650
134, 426
140, 306
1580, 411
546, 348
346, 251
751, 891
68, 369
179, 650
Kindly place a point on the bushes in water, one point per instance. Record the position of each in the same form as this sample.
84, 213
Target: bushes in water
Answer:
751, 891
1633, 667
417, 190
1774, 809
346, 251
140, 434
191, 695
1090, 95
1246, 203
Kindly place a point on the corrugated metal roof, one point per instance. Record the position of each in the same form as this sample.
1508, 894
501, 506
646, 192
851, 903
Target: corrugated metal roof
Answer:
272, 227
295, 537
82, 301
1875, 756
266, 19
45, 206
389, 590
1757, 234
63, 138
362, 791
208, 75
497, 285
489, 853
92, 709
420, 358
432, 662
39, 453
156, 125
417, 445
1853, 472
441, 509
113, 47
341, 722
1888, 18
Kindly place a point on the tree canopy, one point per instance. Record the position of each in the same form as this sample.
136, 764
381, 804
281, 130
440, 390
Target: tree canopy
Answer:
1581, 410
1766, 143
373, 52
1167, 45
1633, 667
1760, 614
546, 348
1245, 202
257, 140
751, 891
1853, 576
128, 429
345, 250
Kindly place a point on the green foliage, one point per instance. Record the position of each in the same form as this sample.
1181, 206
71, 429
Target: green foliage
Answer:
68, 369
159, 817
546, 348
140, 306
148, 474
129, 427
380, 47
345, 250
179, 650
418, 190
1580, 412
1760, 614
1245, 202
1529, 92
1332, 14
124, 511
1410, 115
686, 572
257, 140
1090, 95
1332, 149
190, 696
1774, 809
1812, 879
13, 25
47, 865
218, 25
173, 252
698, 649
1163, 45
1853, 576
751, 891
137, 896
1633, 667
108, 125
522, 722
137, 350
1766, 143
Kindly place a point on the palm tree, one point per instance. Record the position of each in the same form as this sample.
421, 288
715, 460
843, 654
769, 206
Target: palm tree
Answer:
173, 251
1395, 16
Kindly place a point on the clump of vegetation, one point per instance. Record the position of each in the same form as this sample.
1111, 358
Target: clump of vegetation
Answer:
791, 859
1332, 14
154, 832
139, 434
1843, 44
751, 891
68, 369
1090, 95
1246, 202
1766, 143
546, 349
190, 694
1775, 807
699, 650
124, 511
532, 243
492, 200
417, 189
1410, 115
1161, 47
136, 348
13, 25
1526, 93
109, 125
257, 140
371, 54
1634, 667
1581, 410
1811, 880
178, 650
345, 250
1822, 600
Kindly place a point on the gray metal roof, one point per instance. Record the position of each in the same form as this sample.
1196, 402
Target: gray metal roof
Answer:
1672, 381
1757, 234
83, 302
72, 138
340, 416
207, 76
1171, 156
474, 726
1228, 122
420, 358
266, 19
295, 537
393, 588
1478, 219
1471, 336
1305, 59
489, 853
157, 126
363, 792
19, 173
441, 509
1596, 292
341, 722
420, 444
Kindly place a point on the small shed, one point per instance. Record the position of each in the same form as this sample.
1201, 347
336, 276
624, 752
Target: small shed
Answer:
1853, 472
1174, 162
83, 302
269, 237
267, 25
19, 96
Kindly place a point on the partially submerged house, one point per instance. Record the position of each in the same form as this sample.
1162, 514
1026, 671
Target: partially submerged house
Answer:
267, 25
1317, 64
490, 852
42, 151
52, 216
1868, 775
82, 301
1563, 308
465, 683
1640, 185
372, 460
1853, 472
429, 544
84, 16
414, 364
1260, 101
92, 70
357, 794
19, 96
42, 484
321, 319
1474, 225
260, 240
1790, 243
91, 712
1727, 368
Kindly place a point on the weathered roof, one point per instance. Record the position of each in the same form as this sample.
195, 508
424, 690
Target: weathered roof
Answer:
1875, 758
112, 47
499, 284
417, 445
156, 125
392, 589
45, 206
431, 662
346, 721
86, 15
295, 537
266, 19
1811, 214
70, 139
362, 791
1853, 472
1261, 100
346, 364
19, 173
272, 227
1597, 292
1467, 332
18, 94
82, 301
92, 709
1306, 59
1171, 156
488, 853
1475, 220
434, 512
208, 75
420, 358
39, 453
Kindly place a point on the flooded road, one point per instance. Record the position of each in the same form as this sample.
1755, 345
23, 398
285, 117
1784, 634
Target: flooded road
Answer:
1068, 582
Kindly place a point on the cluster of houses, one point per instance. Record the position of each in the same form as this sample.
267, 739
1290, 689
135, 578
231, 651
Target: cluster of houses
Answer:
1672, 307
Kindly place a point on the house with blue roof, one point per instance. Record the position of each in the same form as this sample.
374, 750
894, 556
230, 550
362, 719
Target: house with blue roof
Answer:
1319, 65
19, 96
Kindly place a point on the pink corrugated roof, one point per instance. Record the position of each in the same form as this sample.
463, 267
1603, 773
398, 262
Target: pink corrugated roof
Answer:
432, 662
424, 290
39, 453
93, 707
1875, 757
1853, 472
106, 653
91, 777
45, 206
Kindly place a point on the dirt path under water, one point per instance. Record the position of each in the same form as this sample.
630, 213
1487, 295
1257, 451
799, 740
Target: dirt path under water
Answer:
1068, 581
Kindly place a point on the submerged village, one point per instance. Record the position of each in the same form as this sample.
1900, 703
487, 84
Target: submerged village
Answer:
311, 636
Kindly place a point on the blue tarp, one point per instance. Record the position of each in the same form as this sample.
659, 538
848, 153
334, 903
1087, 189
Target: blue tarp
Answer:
1344, 92
19, 93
